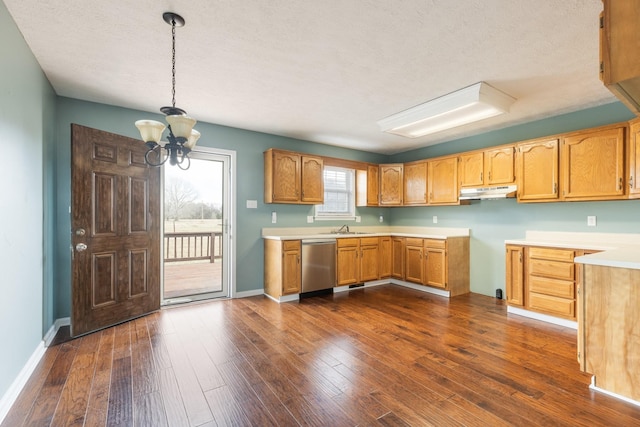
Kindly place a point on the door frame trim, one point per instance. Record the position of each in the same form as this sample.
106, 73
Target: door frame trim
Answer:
229, 261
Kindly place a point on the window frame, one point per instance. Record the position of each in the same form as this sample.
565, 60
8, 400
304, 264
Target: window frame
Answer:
328, 216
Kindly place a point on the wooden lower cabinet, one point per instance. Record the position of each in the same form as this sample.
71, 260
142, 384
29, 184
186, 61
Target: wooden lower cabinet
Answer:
543, 279
413, 255
282, 268
385, 257
397, 256
439, 263
515, 275
358, 260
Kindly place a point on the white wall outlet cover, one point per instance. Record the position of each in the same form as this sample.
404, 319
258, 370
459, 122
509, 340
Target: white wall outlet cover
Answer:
358, 219
381, 219
274, 217
309, 219
252, 204
591, 221
435, 219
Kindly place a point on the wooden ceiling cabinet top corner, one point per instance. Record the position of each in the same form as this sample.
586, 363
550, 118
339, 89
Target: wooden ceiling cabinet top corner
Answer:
619, 41
291, 177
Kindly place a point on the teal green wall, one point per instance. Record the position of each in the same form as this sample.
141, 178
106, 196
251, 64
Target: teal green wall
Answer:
249, 147
27, 120
494, 221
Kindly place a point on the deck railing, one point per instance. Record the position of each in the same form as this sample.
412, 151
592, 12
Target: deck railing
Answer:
192, 246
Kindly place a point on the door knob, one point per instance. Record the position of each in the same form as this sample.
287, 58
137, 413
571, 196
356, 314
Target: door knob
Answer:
81, 247
80, 232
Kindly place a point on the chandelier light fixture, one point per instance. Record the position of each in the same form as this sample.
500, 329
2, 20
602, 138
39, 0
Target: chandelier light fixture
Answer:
182, 137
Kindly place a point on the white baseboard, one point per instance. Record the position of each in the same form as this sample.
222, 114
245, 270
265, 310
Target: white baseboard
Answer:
543, 317
593, 386
284, 298
10, 396
247, 294
53, 330
421, 288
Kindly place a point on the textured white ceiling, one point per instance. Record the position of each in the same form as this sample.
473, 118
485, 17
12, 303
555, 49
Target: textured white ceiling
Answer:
323, 71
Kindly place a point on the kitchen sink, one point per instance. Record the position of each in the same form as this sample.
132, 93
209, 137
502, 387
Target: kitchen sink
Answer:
346, 232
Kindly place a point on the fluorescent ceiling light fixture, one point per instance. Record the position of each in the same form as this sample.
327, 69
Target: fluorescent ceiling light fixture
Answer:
471, 104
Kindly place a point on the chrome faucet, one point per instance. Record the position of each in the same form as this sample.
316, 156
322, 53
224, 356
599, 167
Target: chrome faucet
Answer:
343, 229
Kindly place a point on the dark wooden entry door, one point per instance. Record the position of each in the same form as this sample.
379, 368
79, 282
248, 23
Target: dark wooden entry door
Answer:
115, 225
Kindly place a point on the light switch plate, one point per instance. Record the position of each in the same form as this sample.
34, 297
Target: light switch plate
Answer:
358, 219
252, 204
309, 219
591, 221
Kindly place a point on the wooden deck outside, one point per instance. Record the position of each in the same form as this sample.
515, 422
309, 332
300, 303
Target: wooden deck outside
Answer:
191, 278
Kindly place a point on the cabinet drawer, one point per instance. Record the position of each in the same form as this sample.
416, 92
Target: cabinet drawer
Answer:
566, 255
345, 242
558, 288
412, 241
555, 269
368, 241
435, 243
552, 305
290, 245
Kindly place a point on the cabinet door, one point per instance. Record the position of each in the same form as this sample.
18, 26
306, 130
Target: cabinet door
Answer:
443, 181
435, 272
286, 177
312, 180
499, 166
515, 275
634, 159
291, 268
373, 185
369, 259
471, 169
397, 252
593, 165
348, 261
391, 185
537, 166
415, 183
413, 262
385, 257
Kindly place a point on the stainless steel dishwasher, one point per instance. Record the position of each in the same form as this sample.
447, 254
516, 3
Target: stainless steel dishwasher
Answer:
318, 264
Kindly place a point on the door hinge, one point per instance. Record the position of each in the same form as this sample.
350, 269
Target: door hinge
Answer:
602, 22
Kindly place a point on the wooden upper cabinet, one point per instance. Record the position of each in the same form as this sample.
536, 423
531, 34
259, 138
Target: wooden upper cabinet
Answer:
499, 166
592, 164
373, 185
415, 183
291, 177
442, 181
634, 159
391, 184
471, 169
488, 168
537, 170
312, 180
619, 41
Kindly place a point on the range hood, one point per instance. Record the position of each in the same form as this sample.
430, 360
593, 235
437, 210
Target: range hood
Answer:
488, 193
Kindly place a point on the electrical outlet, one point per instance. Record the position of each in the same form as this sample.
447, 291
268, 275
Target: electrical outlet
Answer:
591, 221
381, 219
309, 219
435, 219
358, 219
274, 217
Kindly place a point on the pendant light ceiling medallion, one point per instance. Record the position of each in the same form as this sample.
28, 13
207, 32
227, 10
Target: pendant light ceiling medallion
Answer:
182, 137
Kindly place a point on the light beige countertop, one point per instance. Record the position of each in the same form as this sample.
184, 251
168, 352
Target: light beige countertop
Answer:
299, 233
617, 250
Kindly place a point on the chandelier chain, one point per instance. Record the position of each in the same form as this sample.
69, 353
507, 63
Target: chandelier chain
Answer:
173, 63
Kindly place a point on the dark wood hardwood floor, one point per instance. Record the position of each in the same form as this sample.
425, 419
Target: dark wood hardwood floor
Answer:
384, 356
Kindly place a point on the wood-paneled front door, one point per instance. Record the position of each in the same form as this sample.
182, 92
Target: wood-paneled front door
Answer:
115, 226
